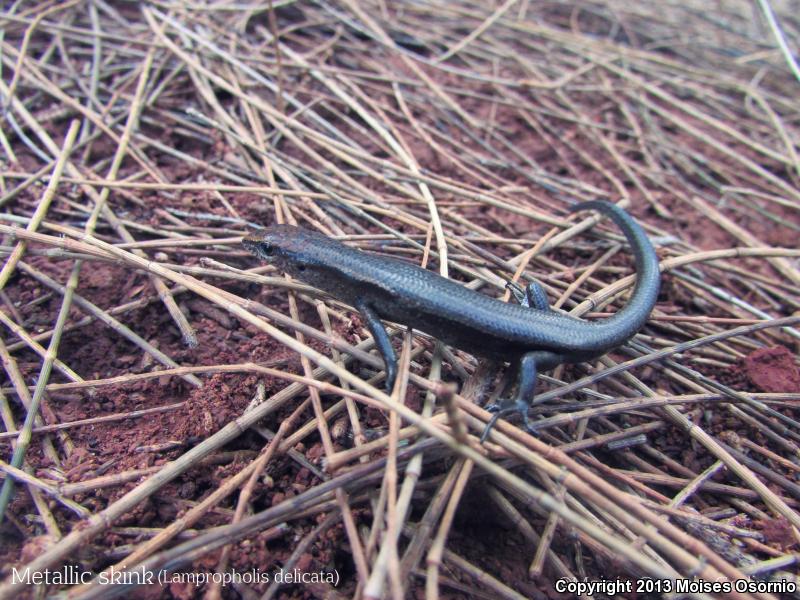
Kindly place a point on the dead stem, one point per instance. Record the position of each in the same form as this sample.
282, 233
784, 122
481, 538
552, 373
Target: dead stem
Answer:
453, 133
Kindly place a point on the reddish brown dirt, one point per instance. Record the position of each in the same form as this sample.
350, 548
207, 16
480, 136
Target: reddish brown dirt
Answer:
106, 449
94, 351
773, 370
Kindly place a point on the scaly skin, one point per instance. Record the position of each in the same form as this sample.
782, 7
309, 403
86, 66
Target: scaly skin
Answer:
535, 337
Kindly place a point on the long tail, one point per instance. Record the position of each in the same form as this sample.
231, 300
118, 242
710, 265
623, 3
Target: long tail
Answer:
648, 278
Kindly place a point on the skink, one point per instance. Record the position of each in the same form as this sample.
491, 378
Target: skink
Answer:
530, 335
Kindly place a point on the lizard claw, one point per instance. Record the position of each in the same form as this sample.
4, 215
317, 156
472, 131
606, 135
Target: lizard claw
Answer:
494, 407
503, 408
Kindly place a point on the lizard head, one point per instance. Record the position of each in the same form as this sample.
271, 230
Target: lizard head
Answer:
294, 250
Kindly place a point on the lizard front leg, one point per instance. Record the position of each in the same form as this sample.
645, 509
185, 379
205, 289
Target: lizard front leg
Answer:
382, 341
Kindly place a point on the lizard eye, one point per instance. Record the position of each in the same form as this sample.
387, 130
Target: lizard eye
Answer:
267, 249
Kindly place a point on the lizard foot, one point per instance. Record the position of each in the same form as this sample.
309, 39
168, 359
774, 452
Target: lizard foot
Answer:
503, 408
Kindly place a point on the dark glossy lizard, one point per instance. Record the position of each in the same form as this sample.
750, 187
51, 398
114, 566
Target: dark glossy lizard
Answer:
528, 334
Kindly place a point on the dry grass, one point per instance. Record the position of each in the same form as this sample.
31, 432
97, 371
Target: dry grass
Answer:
455, 134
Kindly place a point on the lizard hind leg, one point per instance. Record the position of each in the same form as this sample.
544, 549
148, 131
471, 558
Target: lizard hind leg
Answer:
529, 366
533, 296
